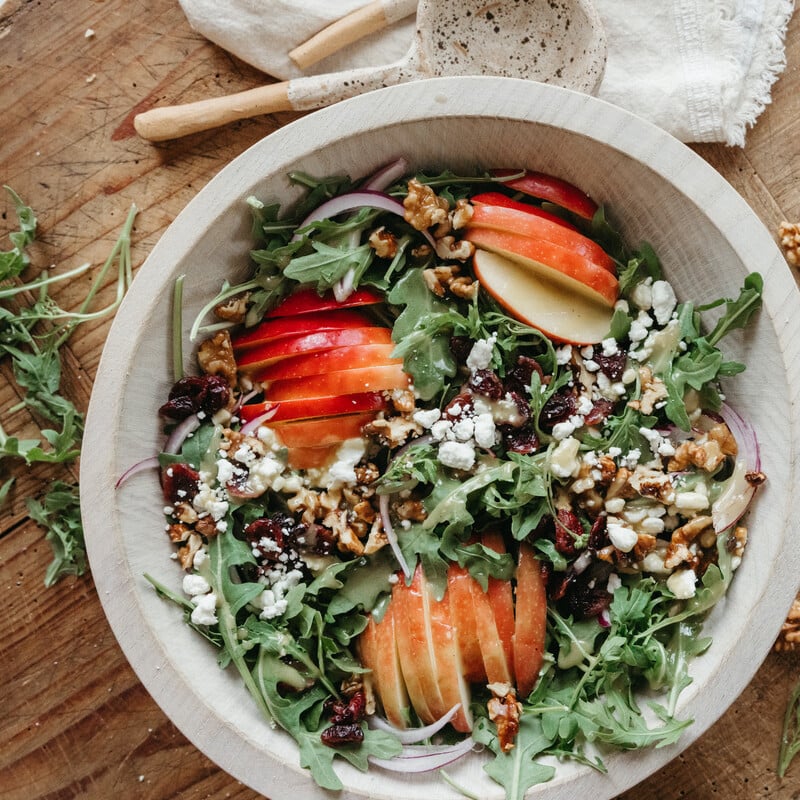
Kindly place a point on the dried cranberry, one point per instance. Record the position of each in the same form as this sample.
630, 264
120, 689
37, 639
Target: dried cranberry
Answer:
194, 393
487, 383
585, 600
612, 366
339, 735
522, 372
558, 408
180, 483
460, 347
347, 713
267, 535
598, 535
522, 405
520, 440
461, 405
559, 583
601, 410
568, 527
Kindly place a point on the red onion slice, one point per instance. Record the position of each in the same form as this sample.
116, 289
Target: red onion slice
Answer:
180, 433
391, 535
387, 175
423, 758
414, 735
352, 201
139, 466
737, 495
256, 423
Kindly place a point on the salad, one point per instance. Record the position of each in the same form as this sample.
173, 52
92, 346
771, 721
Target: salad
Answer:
456, 473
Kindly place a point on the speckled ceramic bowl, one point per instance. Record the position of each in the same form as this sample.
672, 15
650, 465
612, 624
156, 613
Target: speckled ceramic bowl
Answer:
656, 189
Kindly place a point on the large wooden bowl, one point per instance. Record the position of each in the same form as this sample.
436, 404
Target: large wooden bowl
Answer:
656, 189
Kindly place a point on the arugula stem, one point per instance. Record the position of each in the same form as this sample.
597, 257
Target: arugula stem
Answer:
223, 294
177, 329
12, 291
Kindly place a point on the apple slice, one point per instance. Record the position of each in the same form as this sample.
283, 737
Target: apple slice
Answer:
497, 666
551, 262
281, 327
501, 598
264, 354
311, 457
548, 187
341, 382
327, 361
503, 200
462, 614
308, 300
453, 689
531, 621
377, 648
524, 223
568, 316
321, 432
291, 410
412, 645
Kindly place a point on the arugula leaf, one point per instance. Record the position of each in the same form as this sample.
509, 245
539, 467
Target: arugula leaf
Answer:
14, 261
790, 734
327, 265
59, 513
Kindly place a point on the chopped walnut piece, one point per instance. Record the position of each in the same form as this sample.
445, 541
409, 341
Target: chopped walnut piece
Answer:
737, 541
704, 453
215, 356
403, 401
178, 533
423, 207
449, 248
233, 309
461, 214
721, 434
652, 483
620, 487
367, 473
206, 526
789, 234
789, 636
755, 478
504, 710
392, 431
187, 552
678, 548
376, 539
411, 509
438, 279
184, 512
383, 242
653, 391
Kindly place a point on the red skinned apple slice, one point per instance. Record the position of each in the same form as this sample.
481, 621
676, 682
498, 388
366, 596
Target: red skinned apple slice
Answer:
377, 647
341, 382
462, 614
308, 300
291, 410
504, 201
448, 669
501, 598
550, 262
412, 645
321, 432
548, 187
327, 361
498, 669
281, 327
264, 354
568, 316
531, 621
523, 223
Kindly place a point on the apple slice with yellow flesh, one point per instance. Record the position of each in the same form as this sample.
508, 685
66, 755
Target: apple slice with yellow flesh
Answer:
550, 188
323, 431
453, 689
311, 457
262, 355
495, 662
340, 382
524, 223
551, 262
501, 598
281, 327
308, 301
291, 410
416, 664
462, 614
548, 305
378, 652
531, 621
327, 361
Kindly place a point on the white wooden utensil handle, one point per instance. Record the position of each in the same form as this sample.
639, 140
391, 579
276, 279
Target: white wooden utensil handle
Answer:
374, 16
172, 122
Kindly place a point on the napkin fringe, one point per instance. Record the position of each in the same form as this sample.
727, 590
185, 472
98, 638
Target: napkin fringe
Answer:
767, 62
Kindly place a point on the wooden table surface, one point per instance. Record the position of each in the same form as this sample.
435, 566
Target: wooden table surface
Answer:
74, 720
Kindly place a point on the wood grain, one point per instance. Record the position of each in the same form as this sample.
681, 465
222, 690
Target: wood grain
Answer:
75, 722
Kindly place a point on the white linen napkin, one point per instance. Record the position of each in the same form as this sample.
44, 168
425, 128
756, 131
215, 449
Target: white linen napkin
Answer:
701, 69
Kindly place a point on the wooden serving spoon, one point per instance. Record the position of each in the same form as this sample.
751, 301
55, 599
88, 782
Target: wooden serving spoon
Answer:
561, 42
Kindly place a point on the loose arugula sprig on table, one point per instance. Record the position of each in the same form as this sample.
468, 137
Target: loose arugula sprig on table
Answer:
33, 329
